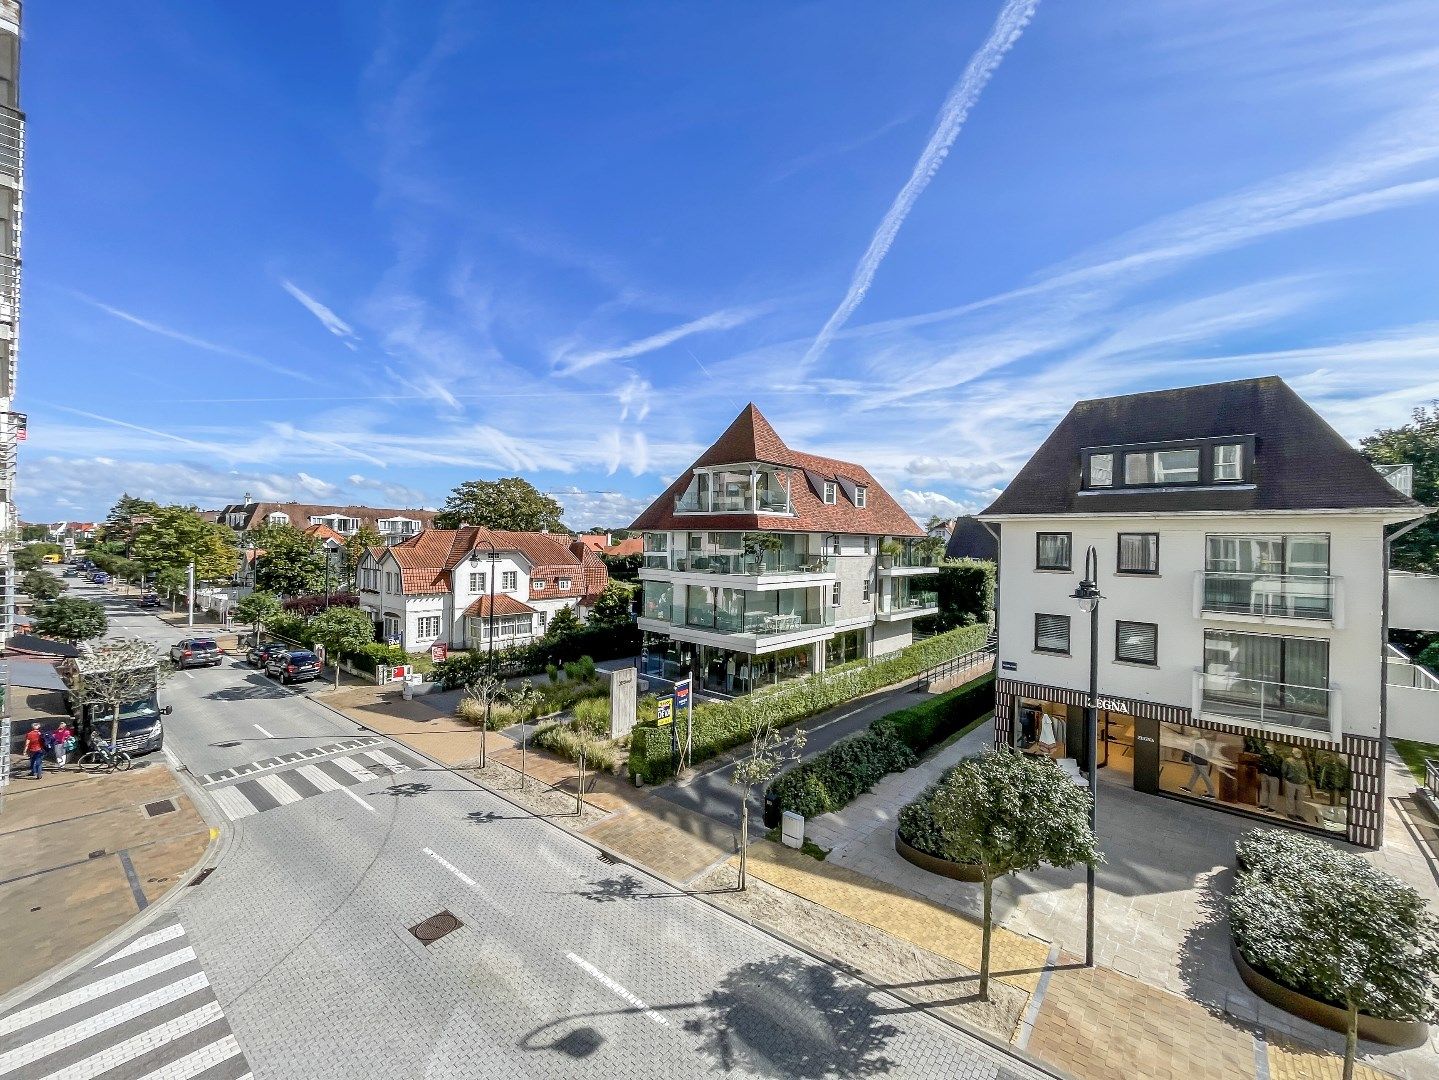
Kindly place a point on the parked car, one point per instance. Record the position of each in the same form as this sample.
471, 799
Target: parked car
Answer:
293, 665
149, 600
259, 655
99, 577
196, 652
52, 558
70, 571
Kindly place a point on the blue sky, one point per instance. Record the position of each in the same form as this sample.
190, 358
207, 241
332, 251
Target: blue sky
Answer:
363, 251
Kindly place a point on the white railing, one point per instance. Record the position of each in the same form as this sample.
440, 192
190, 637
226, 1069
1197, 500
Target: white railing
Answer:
1267, 703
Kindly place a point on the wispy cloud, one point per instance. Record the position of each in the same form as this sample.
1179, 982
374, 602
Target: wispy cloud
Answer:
328, 319
568, 363
849, 146
197, 342
1013, 18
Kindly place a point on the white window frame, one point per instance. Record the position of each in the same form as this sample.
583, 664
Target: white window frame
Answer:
537, 584
830, 492
836, 595
861, 496
427, 626
509, 580
477, 582
1237, 464
565, 583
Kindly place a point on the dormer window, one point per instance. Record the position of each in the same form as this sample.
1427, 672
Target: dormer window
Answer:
538, 584
830, 492
1101, 470
564, 583
1228, 463
861, 496
1148, 467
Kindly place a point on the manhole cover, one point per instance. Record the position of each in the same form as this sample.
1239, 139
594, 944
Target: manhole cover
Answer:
435, 927
164, 806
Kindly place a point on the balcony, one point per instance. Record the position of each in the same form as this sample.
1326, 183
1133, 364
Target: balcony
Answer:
1251, 597
907, 604
756, 570
732, 618
1313, 710
737, 490
12, 143
908, 562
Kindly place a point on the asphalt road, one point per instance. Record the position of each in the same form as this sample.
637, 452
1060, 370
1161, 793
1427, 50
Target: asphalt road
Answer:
299, 961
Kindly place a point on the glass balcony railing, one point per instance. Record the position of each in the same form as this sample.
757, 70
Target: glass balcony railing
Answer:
1288, 596
758, 623
1268, 703
689, 503
776, 502
756, 565
915, 600
906, 559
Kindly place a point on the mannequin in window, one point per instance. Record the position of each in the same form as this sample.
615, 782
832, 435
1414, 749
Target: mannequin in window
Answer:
1296, 776
1201, 753
729, 676
1271, 768
1047, 737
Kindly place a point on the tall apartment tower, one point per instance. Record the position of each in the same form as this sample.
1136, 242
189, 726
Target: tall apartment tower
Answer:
12, 190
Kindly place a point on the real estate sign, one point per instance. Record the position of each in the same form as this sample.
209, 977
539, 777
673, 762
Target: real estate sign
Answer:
665, 710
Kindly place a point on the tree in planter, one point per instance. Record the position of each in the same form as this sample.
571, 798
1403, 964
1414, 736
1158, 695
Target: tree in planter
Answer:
1330, 925
258, 609
40, 586
757, 545
116, 673
1006, 812
342, 630
930, 549
70, 619
769, 752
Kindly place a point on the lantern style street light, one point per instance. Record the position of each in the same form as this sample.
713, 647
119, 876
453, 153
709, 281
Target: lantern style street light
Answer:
1089, 596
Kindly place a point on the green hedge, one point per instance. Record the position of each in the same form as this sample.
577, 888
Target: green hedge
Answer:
719, 726
596, 642
831, 780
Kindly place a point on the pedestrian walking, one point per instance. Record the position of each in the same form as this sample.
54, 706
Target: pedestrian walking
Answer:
35, 747
64, 743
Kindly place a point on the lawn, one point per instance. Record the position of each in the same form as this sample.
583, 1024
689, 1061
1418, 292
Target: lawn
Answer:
1414, 754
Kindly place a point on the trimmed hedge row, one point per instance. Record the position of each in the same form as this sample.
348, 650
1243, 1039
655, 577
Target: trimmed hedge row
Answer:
719, 726
831, 780
596, 642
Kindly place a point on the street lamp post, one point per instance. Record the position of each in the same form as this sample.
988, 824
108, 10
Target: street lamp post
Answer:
490, 632
1088, 595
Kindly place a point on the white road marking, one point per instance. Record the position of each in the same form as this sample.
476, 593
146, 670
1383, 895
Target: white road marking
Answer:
278, 788
354, 768
140, 944
619, 990
194, 1064
233, 803
263, 732
57, 1005
321, 779
452, 868
359, 800
189, 676
138, 1045
95, 1025
394, 764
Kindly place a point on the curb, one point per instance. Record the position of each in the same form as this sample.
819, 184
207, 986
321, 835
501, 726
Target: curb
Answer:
620, 859
220, 838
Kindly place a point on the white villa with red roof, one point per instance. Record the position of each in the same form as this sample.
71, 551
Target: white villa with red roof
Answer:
762, 563
436, 587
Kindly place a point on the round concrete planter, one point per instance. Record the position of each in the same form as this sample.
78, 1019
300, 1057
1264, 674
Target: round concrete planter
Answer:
935, 865
1403, 1033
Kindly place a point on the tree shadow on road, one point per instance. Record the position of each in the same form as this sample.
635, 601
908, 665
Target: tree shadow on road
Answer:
489, 817
787, 1017
624, 887
408, 790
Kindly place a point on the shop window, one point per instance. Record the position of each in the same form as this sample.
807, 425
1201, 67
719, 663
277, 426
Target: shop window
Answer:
1136, 642
1138, 553
1271, 777
1051, 633
1053, 551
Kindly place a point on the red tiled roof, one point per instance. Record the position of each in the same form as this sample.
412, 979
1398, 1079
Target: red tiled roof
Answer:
621, 549
594, 541
505, 604
551, 576
427, 559
323, 532
750, 438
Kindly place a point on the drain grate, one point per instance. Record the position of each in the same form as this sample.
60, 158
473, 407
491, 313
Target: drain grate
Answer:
97, 854
202, 875
606, 857
435, 927
164, 806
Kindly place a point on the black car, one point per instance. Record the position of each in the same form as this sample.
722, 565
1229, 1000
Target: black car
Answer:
259, 655
293, 665
196, 652
149, 601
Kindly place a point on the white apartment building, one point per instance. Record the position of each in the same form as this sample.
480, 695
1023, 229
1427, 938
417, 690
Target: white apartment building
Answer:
762, 563
12, 192
1241, 546
443, 586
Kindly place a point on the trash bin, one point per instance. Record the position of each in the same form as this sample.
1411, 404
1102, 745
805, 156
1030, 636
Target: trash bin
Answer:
772, 811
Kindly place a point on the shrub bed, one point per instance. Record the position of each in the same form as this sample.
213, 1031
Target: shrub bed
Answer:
831, 780
719, 726
595, 642
561, 739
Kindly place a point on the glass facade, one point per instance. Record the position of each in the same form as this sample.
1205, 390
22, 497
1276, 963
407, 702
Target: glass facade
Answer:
1281, 681
1267, 776
1269, 574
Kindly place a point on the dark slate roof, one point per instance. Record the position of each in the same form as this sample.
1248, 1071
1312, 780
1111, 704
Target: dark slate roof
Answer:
39, 646
971, 540
1300, 462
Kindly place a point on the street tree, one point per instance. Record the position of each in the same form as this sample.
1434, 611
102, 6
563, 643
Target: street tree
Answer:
563, 624
769, 752
1415, 443
292, 563
31, 533
41, 586
70, 619
175, 536
1006, 812
364, 538
614, 606
171, 582
126, 508
257, 609
342, 630
27, 559
511, 503
1332, 926
117, 672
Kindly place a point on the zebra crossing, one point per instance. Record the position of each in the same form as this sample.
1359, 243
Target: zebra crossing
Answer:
279, 781
145, 1012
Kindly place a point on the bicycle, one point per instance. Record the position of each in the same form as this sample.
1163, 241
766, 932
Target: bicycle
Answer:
104, 758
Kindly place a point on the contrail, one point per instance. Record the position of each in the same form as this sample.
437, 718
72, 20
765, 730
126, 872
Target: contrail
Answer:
1013, 18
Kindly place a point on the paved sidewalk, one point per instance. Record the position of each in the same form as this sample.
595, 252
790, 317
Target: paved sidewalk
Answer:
79, 857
